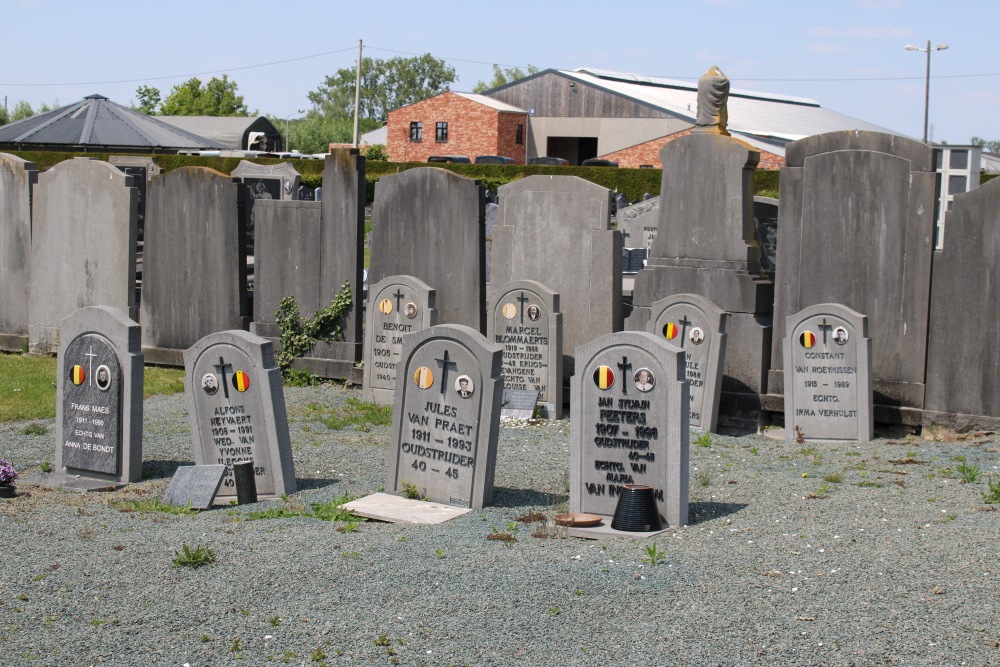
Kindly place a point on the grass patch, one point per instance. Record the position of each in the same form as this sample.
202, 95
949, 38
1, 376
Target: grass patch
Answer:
359, 413
155, 505
166, 381
328, 511
834, 478
193, 558
968, 473
34, 429
992, 497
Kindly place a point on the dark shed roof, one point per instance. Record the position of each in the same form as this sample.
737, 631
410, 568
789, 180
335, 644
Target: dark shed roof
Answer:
97, 122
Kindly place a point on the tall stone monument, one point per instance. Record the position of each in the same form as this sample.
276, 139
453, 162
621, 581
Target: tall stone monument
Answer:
706, 245
17, 178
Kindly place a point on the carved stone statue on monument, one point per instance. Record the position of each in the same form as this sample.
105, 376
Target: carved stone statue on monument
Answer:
713, 94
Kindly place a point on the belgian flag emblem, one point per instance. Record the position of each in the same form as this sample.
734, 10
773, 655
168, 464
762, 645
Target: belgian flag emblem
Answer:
385, 306
423, 377
78, 375
604, 377
241, 381
670, 331
808, 339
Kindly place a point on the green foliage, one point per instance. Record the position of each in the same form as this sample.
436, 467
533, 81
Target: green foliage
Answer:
968, 473
22, 110
154, 505
34, 429
704, 440
149, 100
993, 146
357, 413
331, 510
193, 558
299, 335
385, 85
992, 497
653, 555
411, 491
375, 152
162, 381
216, 98
502, 76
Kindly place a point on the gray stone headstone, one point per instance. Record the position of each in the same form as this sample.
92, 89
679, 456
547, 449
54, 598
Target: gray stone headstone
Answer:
446, 416
557, 230
765, 224
698, 327
492, 210
397, 306
857, 228
83, 243
629, 402
142, 170
519, 403
194, 263
274, 181
195, 486
17, 177
828, 371
429, 224
638, 223
526, 321
99, 385
236, 407
963, 386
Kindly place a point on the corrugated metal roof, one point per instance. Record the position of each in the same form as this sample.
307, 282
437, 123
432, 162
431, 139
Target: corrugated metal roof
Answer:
225, 130
490, 102
97, 121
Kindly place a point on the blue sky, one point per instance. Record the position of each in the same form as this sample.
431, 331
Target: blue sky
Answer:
847, 54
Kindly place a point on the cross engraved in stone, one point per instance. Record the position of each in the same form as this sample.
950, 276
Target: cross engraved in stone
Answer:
221, 369
90, 366
444, 365
825, 328
399, 295
522, 300
685, 323
625, 367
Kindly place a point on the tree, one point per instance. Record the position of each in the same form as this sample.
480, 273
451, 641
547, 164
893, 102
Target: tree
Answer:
149, 100
216, 98
503, 76
991, 146
21, 111
385, 85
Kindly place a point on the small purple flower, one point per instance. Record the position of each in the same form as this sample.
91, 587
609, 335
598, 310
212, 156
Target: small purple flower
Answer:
7, 473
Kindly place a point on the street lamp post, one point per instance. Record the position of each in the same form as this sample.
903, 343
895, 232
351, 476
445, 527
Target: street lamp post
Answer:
927, 79
288, 137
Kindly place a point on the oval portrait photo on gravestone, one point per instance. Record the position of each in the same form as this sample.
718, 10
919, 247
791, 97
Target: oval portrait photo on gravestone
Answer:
210, 383
697, 335
410, 310
644, 380
533, 312
103, 378
464, 386
840, 336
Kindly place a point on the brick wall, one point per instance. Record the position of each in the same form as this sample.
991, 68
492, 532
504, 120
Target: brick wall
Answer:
649, 153
473, 129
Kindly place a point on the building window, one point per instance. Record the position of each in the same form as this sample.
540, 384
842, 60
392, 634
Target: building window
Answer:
519, 134
441, 134
416, 131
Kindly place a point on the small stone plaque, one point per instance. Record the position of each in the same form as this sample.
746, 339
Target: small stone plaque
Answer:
397, 306
236, 407
698, 327
526, 321
446, 416
519, 403
195, 485
828, 375
629, 401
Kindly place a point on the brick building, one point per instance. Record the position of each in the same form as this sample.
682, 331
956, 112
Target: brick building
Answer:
456, 124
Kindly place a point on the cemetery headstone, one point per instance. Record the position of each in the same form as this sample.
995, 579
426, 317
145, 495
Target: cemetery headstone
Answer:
83, 243
828, 371
99, 384
698, 327
195, 486
17, 178
765, 224
638, 223
446, 416
236, 407
279, 182
492, 211
526, 321
142, 170
397, 306
429, 224
519, 403
630, 403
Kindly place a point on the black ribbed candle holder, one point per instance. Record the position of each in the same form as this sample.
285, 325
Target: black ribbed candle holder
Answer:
636, 511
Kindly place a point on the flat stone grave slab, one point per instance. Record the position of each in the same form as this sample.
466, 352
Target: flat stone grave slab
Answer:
446, 417
73, 483
519, 403
195, 486
605, 530
396, 509
828, 375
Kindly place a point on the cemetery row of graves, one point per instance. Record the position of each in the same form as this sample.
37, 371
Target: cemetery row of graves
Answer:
834, 314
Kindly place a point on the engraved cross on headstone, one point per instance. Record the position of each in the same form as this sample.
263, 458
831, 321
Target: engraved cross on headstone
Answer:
221, 369
90, 366
522, 300
825, 328
685, 323
624, 367
399, 295
445, 364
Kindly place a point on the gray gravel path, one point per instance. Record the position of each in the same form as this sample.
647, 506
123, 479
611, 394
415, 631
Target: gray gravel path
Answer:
896, 564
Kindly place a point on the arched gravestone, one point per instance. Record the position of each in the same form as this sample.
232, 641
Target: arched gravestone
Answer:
236, 407
525, 320
17, 177
99, 384
630, 404
83, 242
697, 326
397, 306
828, 371
194, 264
765, 225
446, 416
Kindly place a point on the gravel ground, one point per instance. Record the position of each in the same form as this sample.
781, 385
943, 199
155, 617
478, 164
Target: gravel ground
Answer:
895, 564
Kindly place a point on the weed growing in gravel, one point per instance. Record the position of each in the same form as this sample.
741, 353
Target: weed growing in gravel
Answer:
356, 413
34, 429
869, 485
439, 553
704, 478
383, 640
155, 505
193, 558
755, 451
554, 611
287, 656
800, 435
704, 440
653, 555
507, 536
968, 473
992, 497
834, 478
46, 466
410, 491
318, 654
274, 621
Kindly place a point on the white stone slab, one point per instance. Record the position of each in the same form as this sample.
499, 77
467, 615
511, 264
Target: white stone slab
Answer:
396, 509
